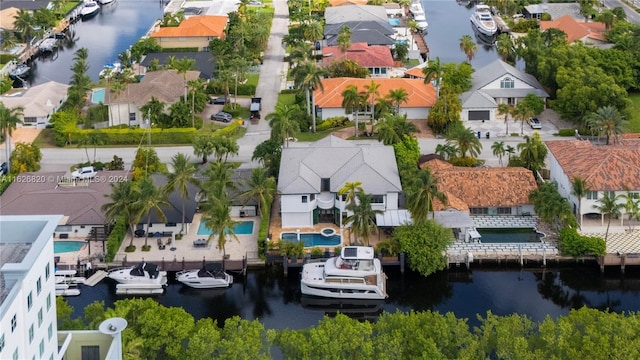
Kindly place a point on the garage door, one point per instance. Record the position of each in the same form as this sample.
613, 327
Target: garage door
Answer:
479, 115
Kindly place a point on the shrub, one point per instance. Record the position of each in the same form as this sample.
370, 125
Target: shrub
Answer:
573, 244
566, 132
263, 232
524, 25
332, 122
115, 238
243, 89
464, 161
291, 248
180, 49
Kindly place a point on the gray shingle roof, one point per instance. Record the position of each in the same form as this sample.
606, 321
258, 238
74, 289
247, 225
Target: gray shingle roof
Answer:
370, 32
340, 14
477, 99
499, 68
173, 211
302, 168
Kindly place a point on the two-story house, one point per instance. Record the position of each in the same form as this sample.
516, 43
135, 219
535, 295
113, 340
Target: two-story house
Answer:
612, 169
375, 58
311, 175
193, 32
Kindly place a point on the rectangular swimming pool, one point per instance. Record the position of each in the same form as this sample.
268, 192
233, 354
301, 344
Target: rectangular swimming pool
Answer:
509, 235
97, 96
394, 22
242, 228
60, 247
313, 239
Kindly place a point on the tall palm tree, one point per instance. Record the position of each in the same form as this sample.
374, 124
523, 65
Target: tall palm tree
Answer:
344, 40
498, 150
631, 207
218, 183
607, 121
182, 66
533, 152
223, 146
393, 129
372, 94
216, 217
421, 192
283, 123
504, 46
9, 40
117, 87
433, 74
363, 219
465, 140
509, 150
506, 110
468, 47
308, 76
180, 178
397, 96
447, 151
301, 53
609, 207
521, 113
149, 198
23, 24
350, 189
313, 30
9, 120
352, 100
261, 187
154, 110
123, 203
579, 188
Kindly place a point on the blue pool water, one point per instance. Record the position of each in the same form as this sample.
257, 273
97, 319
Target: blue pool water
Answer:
515, 235
67, 246
394, 22
97, 96
313, 239
242, 228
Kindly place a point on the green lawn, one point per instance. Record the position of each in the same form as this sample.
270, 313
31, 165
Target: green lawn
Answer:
634, 112
308, 136
286, 99
252, 79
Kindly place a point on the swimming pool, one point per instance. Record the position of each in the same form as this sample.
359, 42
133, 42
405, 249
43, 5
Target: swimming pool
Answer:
242, 228
509, 235
394, 22
60, 247
313, 239
97, 96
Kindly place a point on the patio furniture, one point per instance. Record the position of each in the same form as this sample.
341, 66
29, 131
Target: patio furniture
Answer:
199, 243
161, 246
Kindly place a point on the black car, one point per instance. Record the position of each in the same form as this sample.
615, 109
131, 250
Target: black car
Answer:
218, 101
4, 168
221, 116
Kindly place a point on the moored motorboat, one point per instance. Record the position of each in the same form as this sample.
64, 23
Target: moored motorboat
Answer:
418, 16
110, 70
89, 9
207, 277
19, 71
48, 44
143, 273
355, 274
483, 21
105, 2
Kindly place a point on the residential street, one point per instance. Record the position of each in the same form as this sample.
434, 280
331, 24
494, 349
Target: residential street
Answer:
632, 16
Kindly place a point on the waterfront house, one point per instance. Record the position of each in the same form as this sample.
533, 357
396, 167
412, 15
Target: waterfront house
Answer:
203, 61
500, 191
377, 59
347, 2
240, 206
369, 24
494, 84
312, 174
52, 193
39, 102
194, 32
8, 17
165, 85
607, 169
421, 96
591, 33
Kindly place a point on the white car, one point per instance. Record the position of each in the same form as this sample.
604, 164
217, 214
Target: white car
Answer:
535, 123
87, 172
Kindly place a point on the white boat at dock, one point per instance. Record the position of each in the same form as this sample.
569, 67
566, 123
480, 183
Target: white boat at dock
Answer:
207, 277
89, 9
355, 274
48, 45
19, 71
141, 274
67, 283
105, 2
483, 21
417, 12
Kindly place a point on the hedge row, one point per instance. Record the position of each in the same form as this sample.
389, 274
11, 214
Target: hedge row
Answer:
574, 244
181, 49
263, 232
129, 136
115, 239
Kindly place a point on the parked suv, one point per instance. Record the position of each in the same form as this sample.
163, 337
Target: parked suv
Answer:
218, 101
221, 116
87, 172
535, 123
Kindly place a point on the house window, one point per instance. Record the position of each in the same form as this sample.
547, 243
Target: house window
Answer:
506, 83
47, 271
14, 322
30, 119
312, 197
511, 101
132, 116
171, 224
383, 71
377, 199
504, 211
325, 184
41, 347
40, 317
39, 285
634, 195
479, 211
612, 194
50, 331
30, 333
304, 199
48, 302
592, 195
90, 352
15, 354
1, 342
29, 301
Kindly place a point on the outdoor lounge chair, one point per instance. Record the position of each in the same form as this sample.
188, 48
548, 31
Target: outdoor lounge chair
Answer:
161, 246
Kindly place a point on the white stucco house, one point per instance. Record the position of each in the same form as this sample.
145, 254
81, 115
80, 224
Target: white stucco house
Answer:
494, 84
311, 174
421, 97
607, 169
39, 102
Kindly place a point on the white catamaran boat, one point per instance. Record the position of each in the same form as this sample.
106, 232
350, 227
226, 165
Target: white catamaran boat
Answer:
483, 21
355, 274
208, 277
142, 274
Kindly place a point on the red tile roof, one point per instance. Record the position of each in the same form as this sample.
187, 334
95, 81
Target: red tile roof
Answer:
415, 72
347, 2
482, 187
604, 167
576, 30
420, 94
362, 53
196, 26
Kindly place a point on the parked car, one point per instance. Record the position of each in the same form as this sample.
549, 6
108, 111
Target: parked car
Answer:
219, 101
4, 168
535, 123
255, 3
221, 116
87, 172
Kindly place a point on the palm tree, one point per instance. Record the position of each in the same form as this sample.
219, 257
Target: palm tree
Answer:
308, 76
393, 129
218, 183
182, 66
154, 109
447, 151
609, 207
509, 150
372, 93
606, 121
222, 146
350, 189
117, 87
203, 147
504, 46
149, 199
522, 113
9, 40
468, 47
9, 120
579, 188
352, 100
363, 219
23, 25
123, 203
631, 207
533, 152
433, 74
215, 216
283, 123
301, 53
313, 30
465, 140
506, 110
421, 192
498, 150
180, 178
344, 39
397, 96
261, 187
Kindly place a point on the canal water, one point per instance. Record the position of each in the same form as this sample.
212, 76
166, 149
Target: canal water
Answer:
275, 300
117, 26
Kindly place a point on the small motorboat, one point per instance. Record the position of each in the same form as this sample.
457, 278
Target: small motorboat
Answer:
19, 71
141, 274
105, 2
110, 70
208, 277
89, 9
48, 45
483, 20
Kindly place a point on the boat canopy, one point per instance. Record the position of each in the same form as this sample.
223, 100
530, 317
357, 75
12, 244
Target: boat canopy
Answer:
357, 253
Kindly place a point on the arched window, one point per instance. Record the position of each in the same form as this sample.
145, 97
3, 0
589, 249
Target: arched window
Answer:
506, 83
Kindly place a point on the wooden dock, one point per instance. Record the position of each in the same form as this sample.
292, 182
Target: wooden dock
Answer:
618, 259
503, 28
418, 37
